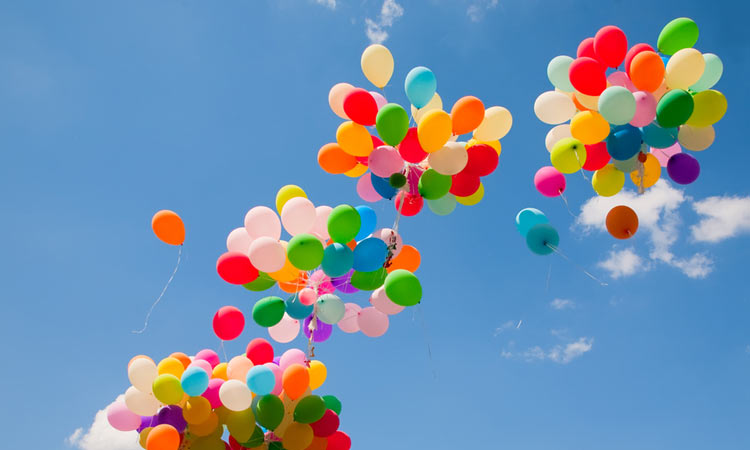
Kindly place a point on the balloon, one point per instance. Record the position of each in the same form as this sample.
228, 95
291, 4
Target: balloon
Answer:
259, 350
449, 160
206, 429
380, 301
683, 168
674, 108
326, 425
172, 415
196, 410
555, 134
420, 86
270, 411
646, 71
298, 215
382, 186
235, 395
167, 389
711, 73
339, 441
585, 102
168, 227
343, 283
435, 103
630, 164
557, 72
472, 199
261, 380
466, 115
377, 64
121, 418
496, 124
412, 204
589, 127
318, 374
624, 142
348, 324
527, 218
262, 221
587, 76
268, 311
645, 109
212, 393
464, 184
141, 403
403, 288
194, 381
267, 254
622, 222
237, 367
329, 308
385, 161
586, 48
369, 255
410, 149
336, 98
380, 101
209, 356
295, 309
263, 282
360, 107
554, 107
542, 238
239, 241
354, 138
285, 331
141, 373
621, 79
710, 107
617, 105
287, 193
596, 156
296, 380
684, 68
368, 281
663, 155
357, 171
220, 371
228, 324
651, 172
236, 268
634, 50
163, 437
658, 137
676, 35
309, 409
343, 223
610, 45
549, 181
482, 160
434, 130
433, 185
170, 365
696, 139
305, 251
372, 322
366, 191
568, 155
337, 260
298, 436
608, 181
321, 333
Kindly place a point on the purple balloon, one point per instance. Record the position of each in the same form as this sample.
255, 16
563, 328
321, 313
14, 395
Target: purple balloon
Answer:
322, 333
276, 360
683, 168
343, 283
146, 421
171, 415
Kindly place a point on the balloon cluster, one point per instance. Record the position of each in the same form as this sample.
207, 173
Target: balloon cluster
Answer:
412, 163
541, 237
631, 110
331, 250
264, 402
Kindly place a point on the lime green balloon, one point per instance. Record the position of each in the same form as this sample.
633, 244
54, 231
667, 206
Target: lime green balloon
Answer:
310, 409
676, 35
369, 281
568, 155
333, 403
269, 311
167, 389
270, 411
256, 440
711, 74
392, 123
261, 283
344, 223
403, 288
710, 107
434, 185
674, 108
305, 251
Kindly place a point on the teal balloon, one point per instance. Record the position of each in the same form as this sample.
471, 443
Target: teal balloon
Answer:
337, 260
403, 288
369, 222
268, 311
295, 309
658, 137
541, 238
343, 224
420, 86
261, 380
711, 74
392, 123
617, 105
527, 218
557, 72
333, 403
624, 141
444, 205
194, 381
370, 254
433, 185
368, 281
305, 251
676, 35
674, 108
329, 308
269, 411
309, 409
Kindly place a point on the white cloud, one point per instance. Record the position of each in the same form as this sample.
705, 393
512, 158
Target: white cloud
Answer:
723, 217
101, 435
377, 30
623, 263
561, 303
477, 9
560, 353
331, 4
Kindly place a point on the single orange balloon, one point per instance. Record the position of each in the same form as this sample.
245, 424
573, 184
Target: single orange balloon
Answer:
296, 285
183, 358
622, 222
647, 71
467, 114
408, 259
163, 437
168, 227
296, 380
333, 159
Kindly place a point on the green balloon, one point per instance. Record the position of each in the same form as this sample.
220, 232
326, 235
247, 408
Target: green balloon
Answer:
256, 440
269, 311
310, 409
343, 224
261, 283
617, 105
333, 403
392, 123
434, 185
305, 251
443, 206
676, 35
369, 281
270, 411
674, 108
275, 445
397, 180
403, 288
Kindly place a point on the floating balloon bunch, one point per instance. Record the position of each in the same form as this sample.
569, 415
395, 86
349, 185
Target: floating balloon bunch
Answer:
412, 163
264, 402
331, 250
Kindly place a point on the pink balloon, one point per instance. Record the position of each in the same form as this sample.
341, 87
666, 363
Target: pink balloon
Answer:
262, 221
238, 367
382, 303
121, 418
267, 254
372, 322
386, 235
663, 154
320, 228
203, 364
307, 296
292, 356
277, 372
379, 99
321, 283
621, 79
645, 109
549, 181
298, 216
365, 190
285, 331
385, 161
239, 241
212, 393
350, 322
208, 355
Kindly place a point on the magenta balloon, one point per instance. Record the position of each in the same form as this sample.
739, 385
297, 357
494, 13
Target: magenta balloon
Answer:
212, 393
549, 181
683, 168
372, 322
208, 355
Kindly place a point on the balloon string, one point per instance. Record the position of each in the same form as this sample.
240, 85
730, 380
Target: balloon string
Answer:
580, 166
148, 316
556, 250
641, 173
425, 336
549, 275
565, 201
223, 350
312, 326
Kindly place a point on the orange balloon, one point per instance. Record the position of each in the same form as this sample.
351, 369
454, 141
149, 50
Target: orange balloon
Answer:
168, 227
296, 285
333, 159
163, 437
183, 358
647, 71
295, 381
318, 443
622, 222
407, 259
467, 114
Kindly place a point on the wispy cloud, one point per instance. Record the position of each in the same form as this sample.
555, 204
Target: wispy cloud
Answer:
101, 436
478, 9
377, 30
331, 4
561, 303
509, 325
722, 218
560, 353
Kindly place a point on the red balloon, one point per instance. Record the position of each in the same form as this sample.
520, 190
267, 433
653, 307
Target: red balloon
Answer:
361, 107
410, 149
634, 50
586, 48
610, 45
236, 268
596, 156
259, 351
483, 160
587, 76
234, 445
228, 323
412, 204
339, 441
464, 184
327, 425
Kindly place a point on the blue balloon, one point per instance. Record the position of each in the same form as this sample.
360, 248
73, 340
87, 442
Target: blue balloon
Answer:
337, 260
383, 187
420, 86
527, 218
261, 380
624, 142
194, 381
370, 254
658, 137
369, 221
541, 238
295, 309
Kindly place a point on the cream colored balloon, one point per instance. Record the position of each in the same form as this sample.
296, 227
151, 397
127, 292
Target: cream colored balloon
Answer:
588, 101
435, 103
696, 139
235, 395
496, 124
336, 97
555, 134
238, 368
142, 373
377, 64
554, 107
140, 402
450, 159
684, 68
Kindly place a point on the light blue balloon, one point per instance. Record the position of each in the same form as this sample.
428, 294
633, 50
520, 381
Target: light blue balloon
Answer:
194, 381
658, 137
382, 186
369, 255
617, 105
541, 238
557, 72
711, 74
444, 205
527, 218
330, 309
369, 221
295, 309
337, 260
420, 86
261, 380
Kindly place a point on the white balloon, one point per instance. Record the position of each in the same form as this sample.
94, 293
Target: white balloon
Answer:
285, 331
554, 107
235, 395
555, 134
267, 254
140, 402
262, 221
298, 215
239, 241
142, 373
320, 228
449, 160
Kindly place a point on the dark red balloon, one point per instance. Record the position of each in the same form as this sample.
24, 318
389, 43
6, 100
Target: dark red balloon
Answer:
234, 445
259, 351
236, 268
634, 50
339, 441
410, 149
596, 156
483, 160
228, 323
586, 48
361, 107
464, 184
412, 204
327, 425
587, 76
610, 45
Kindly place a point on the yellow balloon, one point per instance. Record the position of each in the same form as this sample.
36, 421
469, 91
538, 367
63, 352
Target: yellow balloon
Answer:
170, 365
222, 413
435, 103
496, 124
220, 371
608, 181
377, 64
297, 436
474, 198
167, 389
494, 144
589, 127
206, 427
589, 101
357, 171
196, 410
710, 107
568, 155
287, 193
696, 139
651, 172
143, 436
354, 139
684, 68
318, 373
434, 130
241, 424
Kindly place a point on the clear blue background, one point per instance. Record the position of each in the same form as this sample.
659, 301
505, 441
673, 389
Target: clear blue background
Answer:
110, 111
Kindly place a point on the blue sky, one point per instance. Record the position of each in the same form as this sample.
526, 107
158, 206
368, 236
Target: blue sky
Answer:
113, 110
